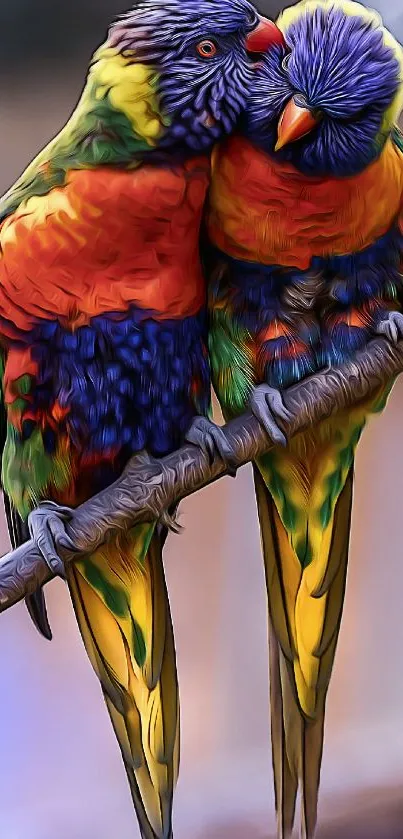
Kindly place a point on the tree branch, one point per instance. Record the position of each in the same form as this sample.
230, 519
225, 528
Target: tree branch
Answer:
149, 487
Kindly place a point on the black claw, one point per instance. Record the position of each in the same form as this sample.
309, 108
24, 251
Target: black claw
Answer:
35, 602
36, 605
170, 522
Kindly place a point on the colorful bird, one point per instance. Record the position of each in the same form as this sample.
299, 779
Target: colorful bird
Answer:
103, 337
305, 220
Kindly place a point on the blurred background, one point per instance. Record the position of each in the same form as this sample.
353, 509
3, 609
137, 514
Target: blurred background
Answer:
60, 771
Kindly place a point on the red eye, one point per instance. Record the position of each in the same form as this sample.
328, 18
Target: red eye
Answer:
207, 49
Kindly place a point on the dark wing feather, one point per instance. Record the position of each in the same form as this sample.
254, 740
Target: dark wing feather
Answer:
397, 137
19, 533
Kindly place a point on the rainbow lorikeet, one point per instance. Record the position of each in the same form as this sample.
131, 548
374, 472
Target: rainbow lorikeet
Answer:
103, 337
305, 224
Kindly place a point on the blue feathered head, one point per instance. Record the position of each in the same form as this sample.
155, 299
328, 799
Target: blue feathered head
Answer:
327, 100
201, 52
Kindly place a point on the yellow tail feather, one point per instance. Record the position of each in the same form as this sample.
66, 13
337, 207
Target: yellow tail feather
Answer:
121, 603
285, 774
304, 617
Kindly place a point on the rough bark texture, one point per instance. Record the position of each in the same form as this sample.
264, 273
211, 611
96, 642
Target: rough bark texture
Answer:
149, 487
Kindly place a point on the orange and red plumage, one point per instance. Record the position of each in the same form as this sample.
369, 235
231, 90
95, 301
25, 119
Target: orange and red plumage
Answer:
69, 254
292, 218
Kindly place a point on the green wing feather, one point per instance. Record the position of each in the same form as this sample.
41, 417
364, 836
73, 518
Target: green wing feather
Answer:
18, 530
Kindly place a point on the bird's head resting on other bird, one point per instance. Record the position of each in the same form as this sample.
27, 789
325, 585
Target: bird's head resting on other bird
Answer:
327, 99
180, 72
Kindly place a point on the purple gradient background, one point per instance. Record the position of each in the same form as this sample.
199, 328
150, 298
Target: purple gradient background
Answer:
60, 770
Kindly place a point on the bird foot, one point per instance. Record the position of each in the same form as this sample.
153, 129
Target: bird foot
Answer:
391, 327
266, 404
47, 529
212, 440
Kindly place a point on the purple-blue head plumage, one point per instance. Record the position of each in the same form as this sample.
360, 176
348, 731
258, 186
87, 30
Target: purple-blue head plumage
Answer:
327, 101
199, 50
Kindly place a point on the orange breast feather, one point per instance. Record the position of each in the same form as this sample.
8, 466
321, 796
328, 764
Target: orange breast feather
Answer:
265, 211
104, 241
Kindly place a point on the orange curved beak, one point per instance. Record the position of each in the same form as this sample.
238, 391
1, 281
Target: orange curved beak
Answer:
295, 122
264, 36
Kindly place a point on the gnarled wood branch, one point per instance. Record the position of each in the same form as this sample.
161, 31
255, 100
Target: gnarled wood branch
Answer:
149, 487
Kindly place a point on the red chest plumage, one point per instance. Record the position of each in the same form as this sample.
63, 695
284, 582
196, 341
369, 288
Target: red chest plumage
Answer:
104, 241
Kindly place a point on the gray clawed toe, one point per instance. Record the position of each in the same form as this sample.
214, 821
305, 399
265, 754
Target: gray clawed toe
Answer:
266, 403
47, 528
391, 327
211, 439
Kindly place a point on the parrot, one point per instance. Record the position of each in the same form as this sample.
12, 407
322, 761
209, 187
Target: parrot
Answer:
303, 257
103, 339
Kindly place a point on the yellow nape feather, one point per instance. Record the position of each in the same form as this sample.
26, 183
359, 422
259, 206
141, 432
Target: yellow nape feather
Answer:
131, 88
352, 9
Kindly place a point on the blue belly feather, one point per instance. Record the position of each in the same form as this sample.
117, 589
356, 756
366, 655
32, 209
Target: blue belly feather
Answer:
127, 382
254, 296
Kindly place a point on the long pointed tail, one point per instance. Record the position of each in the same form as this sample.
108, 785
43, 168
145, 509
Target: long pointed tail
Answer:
297, 745
305, 609
285, 776
122, 607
